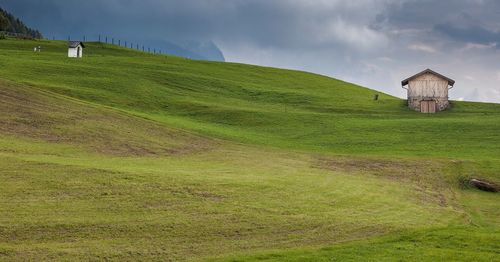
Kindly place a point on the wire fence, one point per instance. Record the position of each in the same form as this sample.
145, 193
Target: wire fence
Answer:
120, 42
101, 39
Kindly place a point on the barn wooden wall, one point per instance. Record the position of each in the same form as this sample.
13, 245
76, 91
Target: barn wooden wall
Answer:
427, 86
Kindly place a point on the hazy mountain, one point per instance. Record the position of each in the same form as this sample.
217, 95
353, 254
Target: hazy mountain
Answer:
192, 49
207, 50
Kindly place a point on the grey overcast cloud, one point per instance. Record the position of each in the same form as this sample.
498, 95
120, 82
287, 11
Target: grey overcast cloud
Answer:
373, 43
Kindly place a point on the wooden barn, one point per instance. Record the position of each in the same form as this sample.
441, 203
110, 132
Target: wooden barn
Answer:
75, 49
428, 91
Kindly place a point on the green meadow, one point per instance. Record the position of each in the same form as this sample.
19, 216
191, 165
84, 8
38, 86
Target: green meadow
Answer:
124, 155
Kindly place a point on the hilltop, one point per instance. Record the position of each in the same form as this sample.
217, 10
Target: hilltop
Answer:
129, 155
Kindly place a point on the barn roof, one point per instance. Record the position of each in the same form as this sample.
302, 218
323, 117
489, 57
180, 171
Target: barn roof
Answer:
451, 82
74, 44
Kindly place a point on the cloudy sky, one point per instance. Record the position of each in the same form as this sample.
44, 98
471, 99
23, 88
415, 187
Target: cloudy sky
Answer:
374, 43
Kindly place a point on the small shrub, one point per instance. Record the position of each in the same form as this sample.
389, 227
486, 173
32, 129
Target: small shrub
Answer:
3, 36
463, 182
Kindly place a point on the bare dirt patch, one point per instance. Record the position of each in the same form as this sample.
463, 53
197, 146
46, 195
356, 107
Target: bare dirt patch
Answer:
393, 169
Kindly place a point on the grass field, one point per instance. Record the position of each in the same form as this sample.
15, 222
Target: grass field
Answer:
124, 155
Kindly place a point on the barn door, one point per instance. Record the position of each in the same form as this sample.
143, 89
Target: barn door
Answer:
78, 52
424, 107
432, 107
428, 106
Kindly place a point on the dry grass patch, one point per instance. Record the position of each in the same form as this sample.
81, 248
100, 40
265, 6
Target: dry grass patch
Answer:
427, 176
27, 112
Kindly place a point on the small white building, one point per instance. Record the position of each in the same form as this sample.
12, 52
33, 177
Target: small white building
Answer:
75, 49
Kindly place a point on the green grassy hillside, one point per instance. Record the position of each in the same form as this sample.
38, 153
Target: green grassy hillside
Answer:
124, 155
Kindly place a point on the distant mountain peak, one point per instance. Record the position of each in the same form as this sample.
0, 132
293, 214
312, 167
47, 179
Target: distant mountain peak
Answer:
209, 50
193, 49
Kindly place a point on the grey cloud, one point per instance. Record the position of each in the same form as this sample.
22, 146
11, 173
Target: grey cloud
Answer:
472, 34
